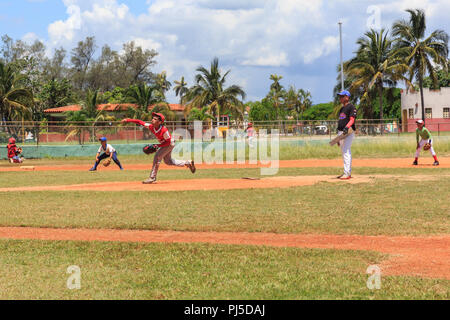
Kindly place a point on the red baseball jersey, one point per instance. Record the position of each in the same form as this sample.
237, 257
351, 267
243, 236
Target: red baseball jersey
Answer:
162, 134
12, 150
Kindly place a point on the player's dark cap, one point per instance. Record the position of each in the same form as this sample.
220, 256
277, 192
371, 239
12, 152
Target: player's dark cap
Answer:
103, 139
159, 115
344, 93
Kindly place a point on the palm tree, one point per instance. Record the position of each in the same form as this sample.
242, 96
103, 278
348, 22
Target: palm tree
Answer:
143, 96
200, 114
276, 92
15, 100
297, 101
420, 53
375, 66
162, 84
210, 91
181, 89
76, 122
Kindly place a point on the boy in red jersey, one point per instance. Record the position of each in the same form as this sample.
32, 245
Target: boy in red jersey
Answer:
14, 152
165, 146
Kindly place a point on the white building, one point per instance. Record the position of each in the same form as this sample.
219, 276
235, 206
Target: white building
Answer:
437, 109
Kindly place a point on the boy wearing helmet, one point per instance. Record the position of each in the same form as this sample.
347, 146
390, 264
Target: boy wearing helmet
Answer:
165, 146
105, 151
425, 134
14, 152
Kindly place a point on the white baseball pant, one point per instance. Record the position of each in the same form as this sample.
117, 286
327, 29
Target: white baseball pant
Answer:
346, 145
422, 143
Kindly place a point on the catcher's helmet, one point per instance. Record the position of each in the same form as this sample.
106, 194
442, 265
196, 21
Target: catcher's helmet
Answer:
12, 140
160, 116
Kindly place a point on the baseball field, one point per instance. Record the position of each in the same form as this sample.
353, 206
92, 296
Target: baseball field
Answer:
227, 232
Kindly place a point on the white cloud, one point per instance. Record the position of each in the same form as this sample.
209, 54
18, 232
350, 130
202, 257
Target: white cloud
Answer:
300, 37
328, 45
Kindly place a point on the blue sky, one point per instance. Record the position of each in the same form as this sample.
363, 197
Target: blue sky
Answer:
297, 39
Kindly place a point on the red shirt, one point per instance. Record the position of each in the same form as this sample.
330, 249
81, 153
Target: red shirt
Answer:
162, 134
12, 150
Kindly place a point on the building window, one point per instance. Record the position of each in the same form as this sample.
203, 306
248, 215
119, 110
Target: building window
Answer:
446, 113
428, 113
410, 113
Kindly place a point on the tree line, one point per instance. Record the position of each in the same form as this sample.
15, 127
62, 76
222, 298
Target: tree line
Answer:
384, 58
31, 81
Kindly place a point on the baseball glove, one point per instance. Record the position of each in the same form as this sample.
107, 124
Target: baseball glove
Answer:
107, 162
19, 151
427, 146
150, 148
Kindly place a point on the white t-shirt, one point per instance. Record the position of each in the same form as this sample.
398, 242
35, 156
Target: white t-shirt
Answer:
109, 149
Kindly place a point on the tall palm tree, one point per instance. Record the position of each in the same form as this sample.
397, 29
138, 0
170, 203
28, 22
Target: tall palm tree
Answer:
210, 91
276, 93
375, 66
298, 101
15, 100
420, 53
181, 88
162, 84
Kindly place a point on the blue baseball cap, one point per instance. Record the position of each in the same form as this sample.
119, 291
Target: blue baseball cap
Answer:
103, 139
344, 93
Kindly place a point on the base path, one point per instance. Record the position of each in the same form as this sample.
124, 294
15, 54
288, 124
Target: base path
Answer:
417, 256
310, 163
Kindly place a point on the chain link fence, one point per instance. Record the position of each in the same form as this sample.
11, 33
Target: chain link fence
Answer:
86, 133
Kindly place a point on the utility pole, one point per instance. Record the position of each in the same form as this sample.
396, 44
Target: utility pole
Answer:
342, 62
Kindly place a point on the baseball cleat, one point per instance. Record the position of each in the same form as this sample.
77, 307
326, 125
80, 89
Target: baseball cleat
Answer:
436, 163
149, 181
92, 169
345, 177
191, 166
415, 163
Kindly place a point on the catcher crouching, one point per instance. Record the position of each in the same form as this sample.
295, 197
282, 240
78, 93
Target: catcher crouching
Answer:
106, 151
14, 152
163, 150
426, 142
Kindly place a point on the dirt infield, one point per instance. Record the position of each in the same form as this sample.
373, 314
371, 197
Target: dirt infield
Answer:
417, 256
208, 184
310, 163
217, 184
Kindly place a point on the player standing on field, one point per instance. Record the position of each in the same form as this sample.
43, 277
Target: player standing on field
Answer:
165, 146
347, 117
425, 134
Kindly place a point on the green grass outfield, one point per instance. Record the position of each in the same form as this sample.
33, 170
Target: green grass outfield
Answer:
33, 269
386, 206
37, 270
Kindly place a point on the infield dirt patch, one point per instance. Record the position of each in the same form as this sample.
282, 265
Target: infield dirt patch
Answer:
200, 184
417, 256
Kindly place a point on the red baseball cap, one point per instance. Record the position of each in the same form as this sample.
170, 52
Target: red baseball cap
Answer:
159, 115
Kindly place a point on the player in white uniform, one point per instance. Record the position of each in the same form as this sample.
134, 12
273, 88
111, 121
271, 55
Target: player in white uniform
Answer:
347, 118
105, 151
